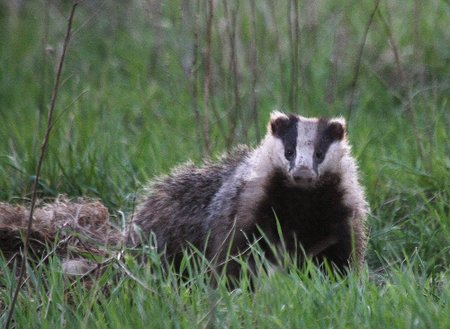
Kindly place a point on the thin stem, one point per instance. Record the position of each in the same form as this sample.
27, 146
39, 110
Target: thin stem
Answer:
278, 45
231, 16
39, 165
296, 69
207, 82
254, 65
294, 40
193, 75
359, 58
406, 87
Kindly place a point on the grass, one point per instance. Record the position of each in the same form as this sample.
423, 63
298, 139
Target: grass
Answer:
127, 112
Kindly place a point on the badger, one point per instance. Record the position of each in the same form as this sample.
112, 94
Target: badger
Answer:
301, 180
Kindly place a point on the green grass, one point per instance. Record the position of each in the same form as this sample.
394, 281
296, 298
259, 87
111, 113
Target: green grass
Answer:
289, 298
125, 115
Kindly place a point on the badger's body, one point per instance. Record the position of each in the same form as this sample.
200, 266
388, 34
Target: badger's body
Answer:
301, 175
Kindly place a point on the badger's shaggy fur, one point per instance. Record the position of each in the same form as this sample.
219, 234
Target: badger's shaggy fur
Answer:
302, 175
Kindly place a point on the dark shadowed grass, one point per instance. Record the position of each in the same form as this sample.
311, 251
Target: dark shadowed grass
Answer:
126, 115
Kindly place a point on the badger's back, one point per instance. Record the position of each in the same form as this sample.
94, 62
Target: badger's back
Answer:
174, 208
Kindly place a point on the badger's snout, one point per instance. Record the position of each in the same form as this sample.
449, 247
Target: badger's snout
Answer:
304, 175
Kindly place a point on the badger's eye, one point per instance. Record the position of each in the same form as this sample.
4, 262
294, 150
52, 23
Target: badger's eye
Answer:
319, 155
289, 154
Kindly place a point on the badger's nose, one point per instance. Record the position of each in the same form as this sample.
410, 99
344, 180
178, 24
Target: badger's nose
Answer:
304, 174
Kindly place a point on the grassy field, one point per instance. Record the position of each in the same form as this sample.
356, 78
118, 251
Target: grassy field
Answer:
150, 84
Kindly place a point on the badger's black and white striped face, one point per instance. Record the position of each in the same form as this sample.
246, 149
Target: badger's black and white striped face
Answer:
307, 148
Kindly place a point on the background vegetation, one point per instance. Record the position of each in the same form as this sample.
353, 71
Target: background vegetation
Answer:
150, 84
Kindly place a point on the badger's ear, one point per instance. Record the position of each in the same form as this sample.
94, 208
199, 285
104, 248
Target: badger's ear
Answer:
278, 122
337, 129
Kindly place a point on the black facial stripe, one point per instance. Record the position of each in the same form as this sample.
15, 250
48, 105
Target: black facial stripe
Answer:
286, 129
289, 140
327, 133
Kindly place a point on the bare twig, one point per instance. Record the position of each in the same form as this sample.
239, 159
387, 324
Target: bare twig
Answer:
294, 43
207, 82
193, 75
396, 52
271, 4
43, 70
296, 50
154, 9
236, 76
39, 164
218, 113
231, 16
359, 58
405, 87
330, 90
253, 65
44, 67
290, 38
417, 50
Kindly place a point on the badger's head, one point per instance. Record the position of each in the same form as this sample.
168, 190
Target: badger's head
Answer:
306, 149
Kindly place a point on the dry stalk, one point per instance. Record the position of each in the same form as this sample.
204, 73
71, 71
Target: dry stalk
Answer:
231, 17
294, 41
44, 67
155, 16
236, 75
207, 82
359, 58
405, 86
417, 50
278, 42
217, 111
39, 164
330, 90
193, 74
253, 66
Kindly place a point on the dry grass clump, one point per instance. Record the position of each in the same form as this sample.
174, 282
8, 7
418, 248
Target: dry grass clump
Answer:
82, 224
